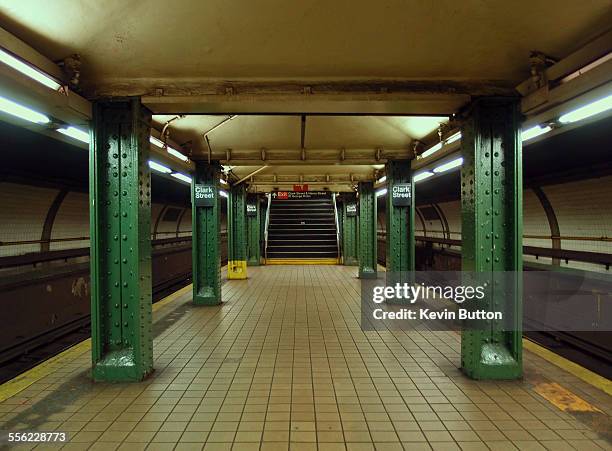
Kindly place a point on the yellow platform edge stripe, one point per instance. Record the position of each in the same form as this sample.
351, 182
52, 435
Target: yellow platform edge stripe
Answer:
24, 380
580, 372
564, 399
301, 261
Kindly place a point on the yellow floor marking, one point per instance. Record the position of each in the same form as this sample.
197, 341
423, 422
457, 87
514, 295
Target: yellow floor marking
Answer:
580, 372
563, 399
24, 380
301, 261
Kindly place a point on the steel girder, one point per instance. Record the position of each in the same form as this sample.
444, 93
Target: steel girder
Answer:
120, 216
491, 203
253, 231
206, 237
350, 256
237, 233
400, 253
367, 231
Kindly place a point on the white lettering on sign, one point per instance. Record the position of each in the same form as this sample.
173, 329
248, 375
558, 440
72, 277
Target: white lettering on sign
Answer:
401, 191
204, 192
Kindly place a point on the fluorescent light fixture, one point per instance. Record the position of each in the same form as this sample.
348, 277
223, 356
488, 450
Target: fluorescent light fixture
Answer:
156, 142
431, 150
449, 165
223, 181
422, 176
159, 143
177, 154
534, 132
159, 167
222, 193
75, 133
28, 70
453, 138
383, 179
183, 177
588, 110
381, 192
22, 112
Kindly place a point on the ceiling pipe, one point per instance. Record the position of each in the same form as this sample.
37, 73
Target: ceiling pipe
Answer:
256, 171
205, 135
165, 133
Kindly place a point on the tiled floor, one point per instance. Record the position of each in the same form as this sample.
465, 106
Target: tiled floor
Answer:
283, 364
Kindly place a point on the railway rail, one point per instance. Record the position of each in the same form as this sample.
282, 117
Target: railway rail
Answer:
593, 350
45, 302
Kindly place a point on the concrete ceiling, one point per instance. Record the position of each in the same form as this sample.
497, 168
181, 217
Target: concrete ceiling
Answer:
217, 39
380, 61
285, 132
335, 147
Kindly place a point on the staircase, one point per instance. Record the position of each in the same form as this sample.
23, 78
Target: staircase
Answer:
302, 231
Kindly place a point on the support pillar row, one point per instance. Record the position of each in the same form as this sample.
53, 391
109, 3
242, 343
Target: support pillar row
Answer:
206, 236
120, 260
491, 214
237, 233
367, 231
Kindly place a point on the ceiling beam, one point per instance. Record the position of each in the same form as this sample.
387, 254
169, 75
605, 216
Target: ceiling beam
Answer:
353, 97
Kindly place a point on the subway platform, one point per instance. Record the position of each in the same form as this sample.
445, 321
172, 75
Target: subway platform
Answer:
283, 364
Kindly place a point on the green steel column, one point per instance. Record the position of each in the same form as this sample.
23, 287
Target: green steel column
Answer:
236, 233
349, 230
253, 230
206, 236
400, 222
491, 203
120, 261
367, 231
263, 204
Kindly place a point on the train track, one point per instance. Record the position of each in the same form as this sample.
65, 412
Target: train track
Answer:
590, 350
56, 315
49, 344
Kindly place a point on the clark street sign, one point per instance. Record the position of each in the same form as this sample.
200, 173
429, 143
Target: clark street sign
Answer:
204, 195
401, 194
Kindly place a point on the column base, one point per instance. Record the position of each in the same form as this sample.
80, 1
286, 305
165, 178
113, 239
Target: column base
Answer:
368, 274
236, 269
253, 262
119, 366
350, 261
206, 296
495, 362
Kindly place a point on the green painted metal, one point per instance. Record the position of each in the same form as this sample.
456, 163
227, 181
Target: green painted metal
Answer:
120, 217
236, 232
206, 238
263, 204
400, 250
339, 208
350, 255
253, 232
367, 231
491, 203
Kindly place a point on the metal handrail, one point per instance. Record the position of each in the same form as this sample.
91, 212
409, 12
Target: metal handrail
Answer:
337, 225
269, 196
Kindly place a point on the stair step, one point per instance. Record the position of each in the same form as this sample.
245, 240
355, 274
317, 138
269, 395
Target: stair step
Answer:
302, 228
301, 253
302, 213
